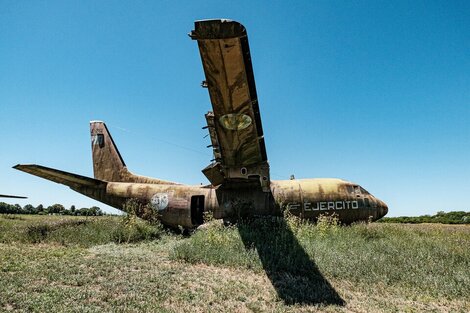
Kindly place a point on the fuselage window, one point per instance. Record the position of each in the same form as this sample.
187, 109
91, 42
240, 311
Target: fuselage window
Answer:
350, 189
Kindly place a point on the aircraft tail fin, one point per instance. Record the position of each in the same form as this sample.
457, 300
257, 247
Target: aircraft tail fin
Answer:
74, 181
108, 164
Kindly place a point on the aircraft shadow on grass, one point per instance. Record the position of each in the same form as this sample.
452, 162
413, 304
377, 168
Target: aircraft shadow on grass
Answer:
293, 274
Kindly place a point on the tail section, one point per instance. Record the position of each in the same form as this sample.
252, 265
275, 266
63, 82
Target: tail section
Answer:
87, 186
108, 164
74, 181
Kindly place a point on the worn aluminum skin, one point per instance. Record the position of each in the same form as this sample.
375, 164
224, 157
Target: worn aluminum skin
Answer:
235, 124
239, 174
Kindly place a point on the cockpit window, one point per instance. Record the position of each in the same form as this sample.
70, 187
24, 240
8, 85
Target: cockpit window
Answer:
357, 190
365, 192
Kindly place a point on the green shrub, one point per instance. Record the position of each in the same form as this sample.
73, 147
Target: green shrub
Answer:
75, 231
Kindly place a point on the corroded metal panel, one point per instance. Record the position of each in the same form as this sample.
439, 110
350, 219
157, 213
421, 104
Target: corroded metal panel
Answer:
213, 136
239, 200
214, 173
108, 164
170, 202
310, 198
226, 60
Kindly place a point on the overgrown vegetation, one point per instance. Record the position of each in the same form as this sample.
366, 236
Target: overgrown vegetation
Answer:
96, 264
72, 231
421, 260
455, 217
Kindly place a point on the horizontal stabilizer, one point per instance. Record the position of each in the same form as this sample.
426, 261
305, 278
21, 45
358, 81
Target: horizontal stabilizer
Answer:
61, 177
15, 197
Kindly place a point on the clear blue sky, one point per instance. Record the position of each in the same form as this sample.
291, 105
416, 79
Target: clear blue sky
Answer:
375, 92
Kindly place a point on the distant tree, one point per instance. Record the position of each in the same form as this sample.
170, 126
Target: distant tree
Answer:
29, 209
56, 209
95, 211
82, 212
5, 208
454, 217
40, 209
72, 209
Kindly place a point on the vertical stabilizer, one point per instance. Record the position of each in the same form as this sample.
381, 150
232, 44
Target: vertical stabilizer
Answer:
108, 164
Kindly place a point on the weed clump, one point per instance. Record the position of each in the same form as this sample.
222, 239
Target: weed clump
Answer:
214, 244
130, 230
327, 224
368, 231
12, 217
39, 232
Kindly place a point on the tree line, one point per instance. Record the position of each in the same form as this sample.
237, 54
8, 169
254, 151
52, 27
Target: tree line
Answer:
454, 217
57, 209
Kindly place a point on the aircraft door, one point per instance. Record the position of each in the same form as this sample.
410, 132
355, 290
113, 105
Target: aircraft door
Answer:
197, 210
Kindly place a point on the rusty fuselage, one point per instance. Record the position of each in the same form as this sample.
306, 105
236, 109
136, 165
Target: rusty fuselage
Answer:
307, 198
239, 175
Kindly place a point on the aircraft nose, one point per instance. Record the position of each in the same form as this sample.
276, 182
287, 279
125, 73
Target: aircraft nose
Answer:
382, 207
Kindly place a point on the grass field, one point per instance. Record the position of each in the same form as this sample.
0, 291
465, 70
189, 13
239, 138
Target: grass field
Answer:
73, 264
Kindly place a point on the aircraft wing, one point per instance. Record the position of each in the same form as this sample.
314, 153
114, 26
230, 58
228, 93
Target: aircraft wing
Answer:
235, 123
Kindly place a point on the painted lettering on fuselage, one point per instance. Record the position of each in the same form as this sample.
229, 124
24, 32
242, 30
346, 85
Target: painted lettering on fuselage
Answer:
326, 205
